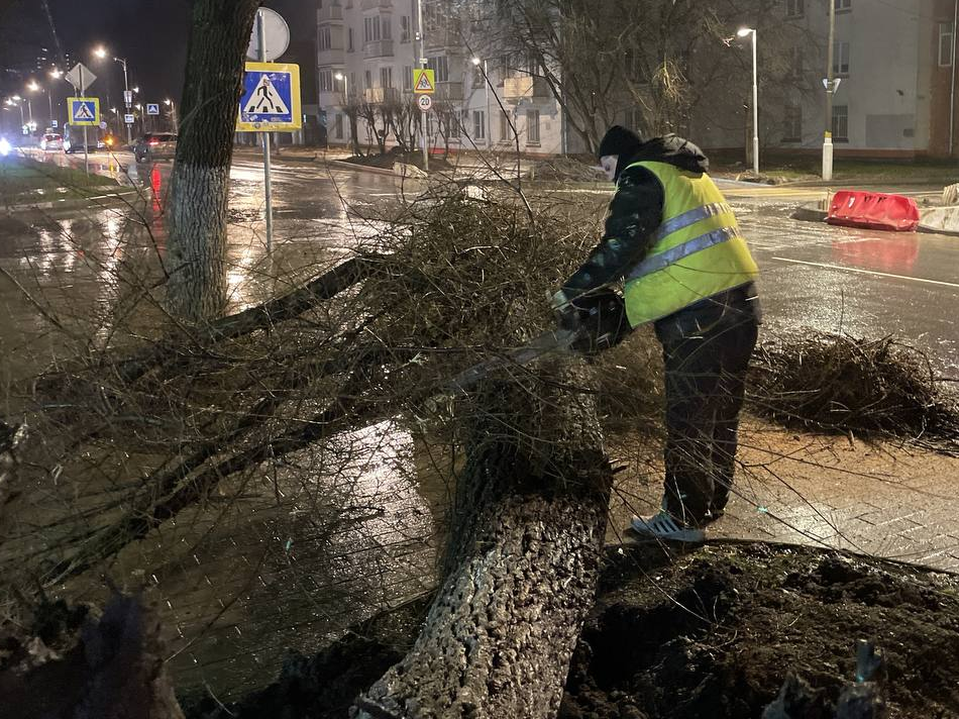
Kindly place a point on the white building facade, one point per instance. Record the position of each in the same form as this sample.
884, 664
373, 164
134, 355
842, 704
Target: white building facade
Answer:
366, 53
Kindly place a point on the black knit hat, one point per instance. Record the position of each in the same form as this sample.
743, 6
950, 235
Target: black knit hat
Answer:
619, 141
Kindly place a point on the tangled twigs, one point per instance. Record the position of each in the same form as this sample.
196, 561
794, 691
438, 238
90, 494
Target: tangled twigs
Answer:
838, 382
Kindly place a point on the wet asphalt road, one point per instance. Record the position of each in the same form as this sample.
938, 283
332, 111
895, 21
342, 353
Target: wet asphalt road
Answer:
860, 282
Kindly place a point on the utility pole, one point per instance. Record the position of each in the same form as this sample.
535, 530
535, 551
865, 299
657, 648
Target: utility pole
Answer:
827, 149
421, 37
86, 152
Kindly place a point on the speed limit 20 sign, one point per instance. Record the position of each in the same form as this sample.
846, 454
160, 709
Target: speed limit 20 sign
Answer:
425, 102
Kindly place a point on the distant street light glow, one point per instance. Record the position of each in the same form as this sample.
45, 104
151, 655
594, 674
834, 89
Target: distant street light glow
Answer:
33, 86
100, 52
4, 147
745, 31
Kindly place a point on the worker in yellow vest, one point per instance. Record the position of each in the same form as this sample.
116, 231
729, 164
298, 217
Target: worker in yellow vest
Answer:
673, 238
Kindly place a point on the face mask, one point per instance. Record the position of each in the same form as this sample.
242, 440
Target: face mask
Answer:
609, 163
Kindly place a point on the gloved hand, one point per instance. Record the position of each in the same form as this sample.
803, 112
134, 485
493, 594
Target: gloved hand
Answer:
568, 316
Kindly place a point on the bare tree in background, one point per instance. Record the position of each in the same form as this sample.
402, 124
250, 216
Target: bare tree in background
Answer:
658, 58
219, 37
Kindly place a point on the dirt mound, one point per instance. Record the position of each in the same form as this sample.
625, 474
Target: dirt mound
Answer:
711, 634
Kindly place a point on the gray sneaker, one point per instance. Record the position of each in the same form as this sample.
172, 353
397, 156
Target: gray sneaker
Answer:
663, 526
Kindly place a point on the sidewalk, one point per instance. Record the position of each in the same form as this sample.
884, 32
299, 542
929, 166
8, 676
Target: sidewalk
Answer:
889, 501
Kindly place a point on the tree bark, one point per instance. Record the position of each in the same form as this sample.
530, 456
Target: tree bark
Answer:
523, 560
214, 77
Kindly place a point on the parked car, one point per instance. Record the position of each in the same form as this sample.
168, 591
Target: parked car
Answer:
51, 141
155, 146
73, 139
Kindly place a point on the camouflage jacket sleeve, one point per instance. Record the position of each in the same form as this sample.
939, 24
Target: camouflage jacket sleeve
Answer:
634, 214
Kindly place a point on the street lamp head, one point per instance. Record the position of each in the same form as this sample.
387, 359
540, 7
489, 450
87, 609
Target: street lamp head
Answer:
338, 76
745, 31
55, 73
33, 86
16, 98
100, 52
168, 101
135, 89
475, 61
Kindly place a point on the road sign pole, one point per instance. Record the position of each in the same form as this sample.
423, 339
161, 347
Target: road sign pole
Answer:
422, 59
86, 153
261, 36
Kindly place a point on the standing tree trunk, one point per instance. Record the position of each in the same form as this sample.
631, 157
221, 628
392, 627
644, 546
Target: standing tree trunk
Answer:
214, 77
521, 566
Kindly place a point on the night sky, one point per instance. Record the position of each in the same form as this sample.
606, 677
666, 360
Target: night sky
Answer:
151, 34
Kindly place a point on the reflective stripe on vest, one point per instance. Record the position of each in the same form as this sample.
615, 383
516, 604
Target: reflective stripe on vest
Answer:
691, 218
674, 254
698, 250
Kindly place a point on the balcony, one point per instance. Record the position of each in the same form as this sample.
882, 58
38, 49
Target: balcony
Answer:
333, 56
329, 14
515, 88
377, 95
452, 91
378, 48
376, 5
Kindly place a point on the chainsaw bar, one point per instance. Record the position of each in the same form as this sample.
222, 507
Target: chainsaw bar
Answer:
542, 345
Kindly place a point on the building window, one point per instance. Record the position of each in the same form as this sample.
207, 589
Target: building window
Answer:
477, 78
326, 39
371, 29
843, 4
350, 46
405, 28
326, 80
386, 77
440, 66
408, 77
387, 23
792, 124
796, 63
840, 123
505, 133
532, 127
453, 123
368, 77
795, 8
479, 124
840, 58
338, 127
946, 44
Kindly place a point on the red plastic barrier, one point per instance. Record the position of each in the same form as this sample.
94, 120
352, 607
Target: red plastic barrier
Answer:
874, 211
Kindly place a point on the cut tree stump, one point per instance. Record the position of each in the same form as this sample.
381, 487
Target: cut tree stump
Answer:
522, 562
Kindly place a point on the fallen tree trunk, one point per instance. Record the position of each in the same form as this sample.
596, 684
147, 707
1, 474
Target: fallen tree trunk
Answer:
263, 316
523, 561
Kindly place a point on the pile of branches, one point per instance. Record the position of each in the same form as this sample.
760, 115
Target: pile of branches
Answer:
840, 383
133, 438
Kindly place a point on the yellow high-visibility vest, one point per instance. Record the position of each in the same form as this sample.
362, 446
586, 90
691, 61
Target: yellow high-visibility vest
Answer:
698, 251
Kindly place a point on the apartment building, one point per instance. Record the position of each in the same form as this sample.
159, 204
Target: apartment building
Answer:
366, 52
894, 60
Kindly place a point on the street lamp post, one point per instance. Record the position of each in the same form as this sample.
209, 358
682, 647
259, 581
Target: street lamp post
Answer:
486, 83
341, 77
172, 105
744, 32
101, 52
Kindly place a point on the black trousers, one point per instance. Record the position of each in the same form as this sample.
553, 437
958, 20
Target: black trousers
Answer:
706, 348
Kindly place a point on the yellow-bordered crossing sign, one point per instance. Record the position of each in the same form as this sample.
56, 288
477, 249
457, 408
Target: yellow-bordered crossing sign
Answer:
271, 98
424, 81
84, 111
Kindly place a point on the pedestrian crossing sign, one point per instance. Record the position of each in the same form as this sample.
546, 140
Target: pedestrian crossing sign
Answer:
424, 81
271, 98
84, 111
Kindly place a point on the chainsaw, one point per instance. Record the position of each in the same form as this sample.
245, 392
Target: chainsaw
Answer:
596, 323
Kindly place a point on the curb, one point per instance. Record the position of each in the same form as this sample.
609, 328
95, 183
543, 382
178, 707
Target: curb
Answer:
344, 165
